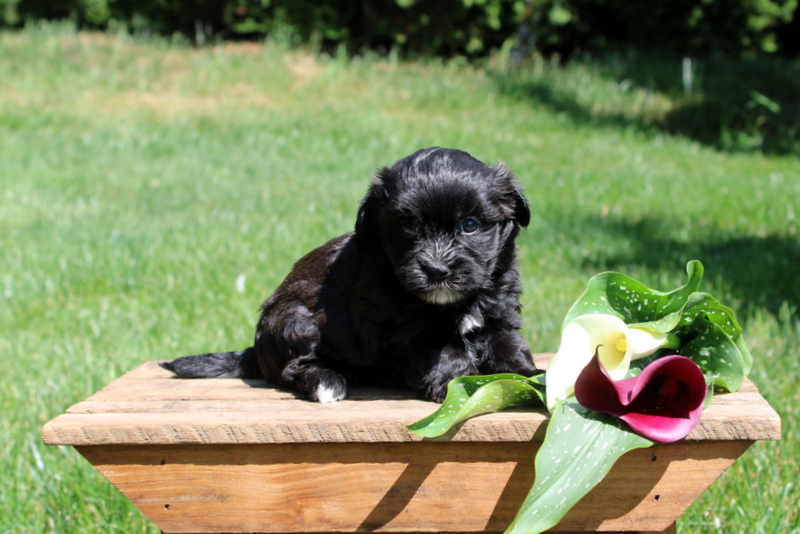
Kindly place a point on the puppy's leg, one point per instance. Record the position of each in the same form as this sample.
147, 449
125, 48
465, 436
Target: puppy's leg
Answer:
453, 362
509, 353
309, 375
290, 347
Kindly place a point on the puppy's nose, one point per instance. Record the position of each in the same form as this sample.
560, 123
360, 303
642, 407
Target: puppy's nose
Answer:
435, 270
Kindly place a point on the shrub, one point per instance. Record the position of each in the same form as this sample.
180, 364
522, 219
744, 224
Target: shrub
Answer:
450, 27
692, 27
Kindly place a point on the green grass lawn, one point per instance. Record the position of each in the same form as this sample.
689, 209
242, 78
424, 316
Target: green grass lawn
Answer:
142, 182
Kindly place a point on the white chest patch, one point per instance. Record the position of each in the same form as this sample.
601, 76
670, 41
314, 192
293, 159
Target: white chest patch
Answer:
469, 323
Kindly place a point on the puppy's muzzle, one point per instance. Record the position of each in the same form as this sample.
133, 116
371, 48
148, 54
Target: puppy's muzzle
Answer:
438, 284
436, 271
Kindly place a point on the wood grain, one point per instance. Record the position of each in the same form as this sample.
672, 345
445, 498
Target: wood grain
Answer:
147, 406
393, 487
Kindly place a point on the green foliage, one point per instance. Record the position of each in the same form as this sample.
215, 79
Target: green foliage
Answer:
619, 295
708, 331
715, 352
449, 27
475, 395
579, 449
737, 105
693, 27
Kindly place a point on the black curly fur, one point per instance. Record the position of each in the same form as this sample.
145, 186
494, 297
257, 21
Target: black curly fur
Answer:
239, 364
425, 290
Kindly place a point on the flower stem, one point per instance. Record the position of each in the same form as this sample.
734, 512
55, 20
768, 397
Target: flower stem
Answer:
672, 342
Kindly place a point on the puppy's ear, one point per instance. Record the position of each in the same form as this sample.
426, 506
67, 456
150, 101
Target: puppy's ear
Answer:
522, 213
514, 195
373, 202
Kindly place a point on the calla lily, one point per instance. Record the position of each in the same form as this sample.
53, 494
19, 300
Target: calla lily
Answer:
663, 403
614, 341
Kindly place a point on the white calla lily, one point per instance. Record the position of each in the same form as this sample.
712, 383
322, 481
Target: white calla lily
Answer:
616, 343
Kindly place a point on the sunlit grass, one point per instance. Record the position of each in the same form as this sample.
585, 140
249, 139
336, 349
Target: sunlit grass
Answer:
139, 180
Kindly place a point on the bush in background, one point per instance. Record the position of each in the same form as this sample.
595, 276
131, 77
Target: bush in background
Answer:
451, 27
444, 27
686, 27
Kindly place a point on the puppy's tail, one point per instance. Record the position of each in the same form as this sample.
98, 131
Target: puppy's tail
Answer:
239, 364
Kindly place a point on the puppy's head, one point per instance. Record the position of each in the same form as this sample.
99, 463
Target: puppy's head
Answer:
445, 221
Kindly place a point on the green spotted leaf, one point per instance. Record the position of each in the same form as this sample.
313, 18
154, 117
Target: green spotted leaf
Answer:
712, 337
747, 356
702, 304
619, 295
578, 450
714, 352
475, 395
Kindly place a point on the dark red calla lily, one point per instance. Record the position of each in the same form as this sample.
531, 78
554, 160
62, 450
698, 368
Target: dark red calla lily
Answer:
663, 403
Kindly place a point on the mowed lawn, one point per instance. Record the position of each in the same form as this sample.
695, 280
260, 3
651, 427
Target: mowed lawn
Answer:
153, 195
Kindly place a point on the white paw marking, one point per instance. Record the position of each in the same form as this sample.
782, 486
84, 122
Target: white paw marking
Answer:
326, 395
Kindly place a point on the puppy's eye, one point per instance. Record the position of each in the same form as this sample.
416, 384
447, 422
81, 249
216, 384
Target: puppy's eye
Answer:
470, 225
409, 229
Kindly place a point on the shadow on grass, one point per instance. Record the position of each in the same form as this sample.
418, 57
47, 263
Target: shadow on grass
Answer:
734, 105
756, 271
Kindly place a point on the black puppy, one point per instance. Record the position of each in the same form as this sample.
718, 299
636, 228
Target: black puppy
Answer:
425, 290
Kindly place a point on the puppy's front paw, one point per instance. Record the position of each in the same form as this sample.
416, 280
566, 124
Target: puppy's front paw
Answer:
331, 387
436, 392
325, 394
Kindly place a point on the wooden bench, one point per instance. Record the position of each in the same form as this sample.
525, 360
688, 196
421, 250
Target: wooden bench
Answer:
229, 455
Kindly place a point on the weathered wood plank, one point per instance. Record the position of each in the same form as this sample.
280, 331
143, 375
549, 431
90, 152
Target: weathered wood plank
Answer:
148, 406
218, 395
393, 487
270, 427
